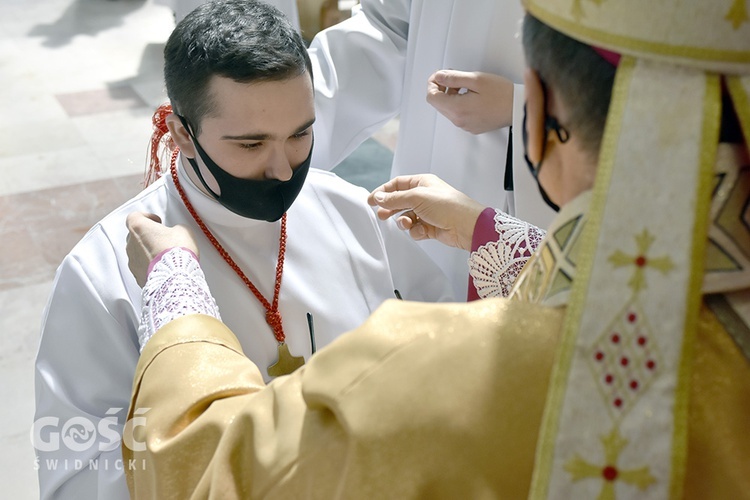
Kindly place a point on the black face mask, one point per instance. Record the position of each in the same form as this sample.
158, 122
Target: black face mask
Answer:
550, 123
266, 199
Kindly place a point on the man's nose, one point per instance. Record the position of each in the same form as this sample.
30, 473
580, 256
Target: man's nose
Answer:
279, 166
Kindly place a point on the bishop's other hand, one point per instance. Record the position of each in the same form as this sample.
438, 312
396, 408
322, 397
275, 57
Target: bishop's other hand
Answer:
148, 238
429, 208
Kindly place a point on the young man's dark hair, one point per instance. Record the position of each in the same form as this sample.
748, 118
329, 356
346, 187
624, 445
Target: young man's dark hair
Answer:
243, 40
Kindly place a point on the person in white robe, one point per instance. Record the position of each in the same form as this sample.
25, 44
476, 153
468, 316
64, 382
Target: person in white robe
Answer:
340, 263
377, 65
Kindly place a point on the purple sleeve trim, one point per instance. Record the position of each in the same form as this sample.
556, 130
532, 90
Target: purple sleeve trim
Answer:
484, 229
484, 232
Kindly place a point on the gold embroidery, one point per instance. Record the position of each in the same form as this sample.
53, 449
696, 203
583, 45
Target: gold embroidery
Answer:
737, 14
641, 261
548, 275
624, 360
609, 472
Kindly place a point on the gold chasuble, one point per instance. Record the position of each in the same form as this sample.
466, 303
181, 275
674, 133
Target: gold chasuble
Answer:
396, 410
423, 401
618, 369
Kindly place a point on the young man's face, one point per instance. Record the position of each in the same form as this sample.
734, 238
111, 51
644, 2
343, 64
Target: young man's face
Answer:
259, 130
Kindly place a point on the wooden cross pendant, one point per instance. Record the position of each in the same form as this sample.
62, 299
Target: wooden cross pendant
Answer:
286, 363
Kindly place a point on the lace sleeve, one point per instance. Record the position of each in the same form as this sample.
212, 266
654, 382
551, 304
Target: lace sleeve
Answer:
495, 265
176, 286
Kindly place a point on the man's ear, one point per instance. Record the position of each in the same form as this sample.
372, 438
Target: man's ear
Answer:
180, 135
535, 113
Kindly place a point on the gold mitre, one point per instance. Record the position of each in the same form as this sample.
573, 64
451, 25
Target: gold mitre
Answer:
640, 280
708, 34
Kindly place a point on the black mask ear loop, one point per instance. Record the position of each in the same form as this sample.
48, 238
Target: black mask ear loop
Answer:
192, 161
550, 123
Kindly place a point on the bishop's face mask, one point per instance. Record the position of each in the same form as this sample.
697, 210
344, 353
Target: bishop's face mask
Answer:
550, 123
259, 199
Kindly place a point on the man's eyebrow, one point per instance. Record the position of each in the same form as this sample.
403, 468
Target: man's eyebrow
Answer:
305, 126
263, 137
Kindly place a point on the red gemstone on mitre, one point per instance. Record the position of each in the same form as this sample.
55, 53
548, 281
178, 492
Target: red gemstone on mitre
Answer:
640, 261
632, 317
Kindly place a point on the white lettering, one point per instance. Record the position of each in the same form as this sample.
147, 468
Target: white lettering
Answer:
53, 444
108, 429
129, 432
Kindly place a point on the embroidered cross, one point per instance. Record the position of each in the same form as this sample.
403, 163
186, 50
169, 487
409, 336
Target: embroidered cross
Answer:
641, 261
609, 472
737, 14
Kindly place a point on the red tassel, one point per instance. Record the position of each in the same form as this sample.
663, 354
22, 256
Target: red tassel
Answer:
159, 137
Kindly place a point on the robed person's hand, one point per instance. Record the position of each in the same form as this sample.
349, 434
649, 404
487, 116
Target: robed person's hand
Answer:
474, 101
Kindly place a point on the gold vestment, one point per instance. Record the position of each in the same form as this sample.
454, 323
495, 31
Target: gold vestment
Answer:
422, 401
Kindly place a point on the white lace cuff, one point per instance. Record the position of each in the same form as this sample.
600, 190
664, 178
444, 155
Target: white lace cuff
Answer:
494, 266
175, 287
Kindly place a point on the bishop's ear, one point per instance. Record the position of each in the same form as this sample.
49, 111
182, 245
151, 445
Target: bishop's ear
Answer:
180, 135
535, 114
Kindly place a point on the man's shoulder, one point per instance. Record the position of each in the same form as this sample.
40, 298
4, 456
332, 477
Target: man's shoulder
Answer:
327, 189
111, 227
329, 184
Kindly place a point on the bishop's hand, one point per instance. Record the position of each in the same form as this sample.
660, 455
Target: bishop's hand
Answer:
148, 237
429, 208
